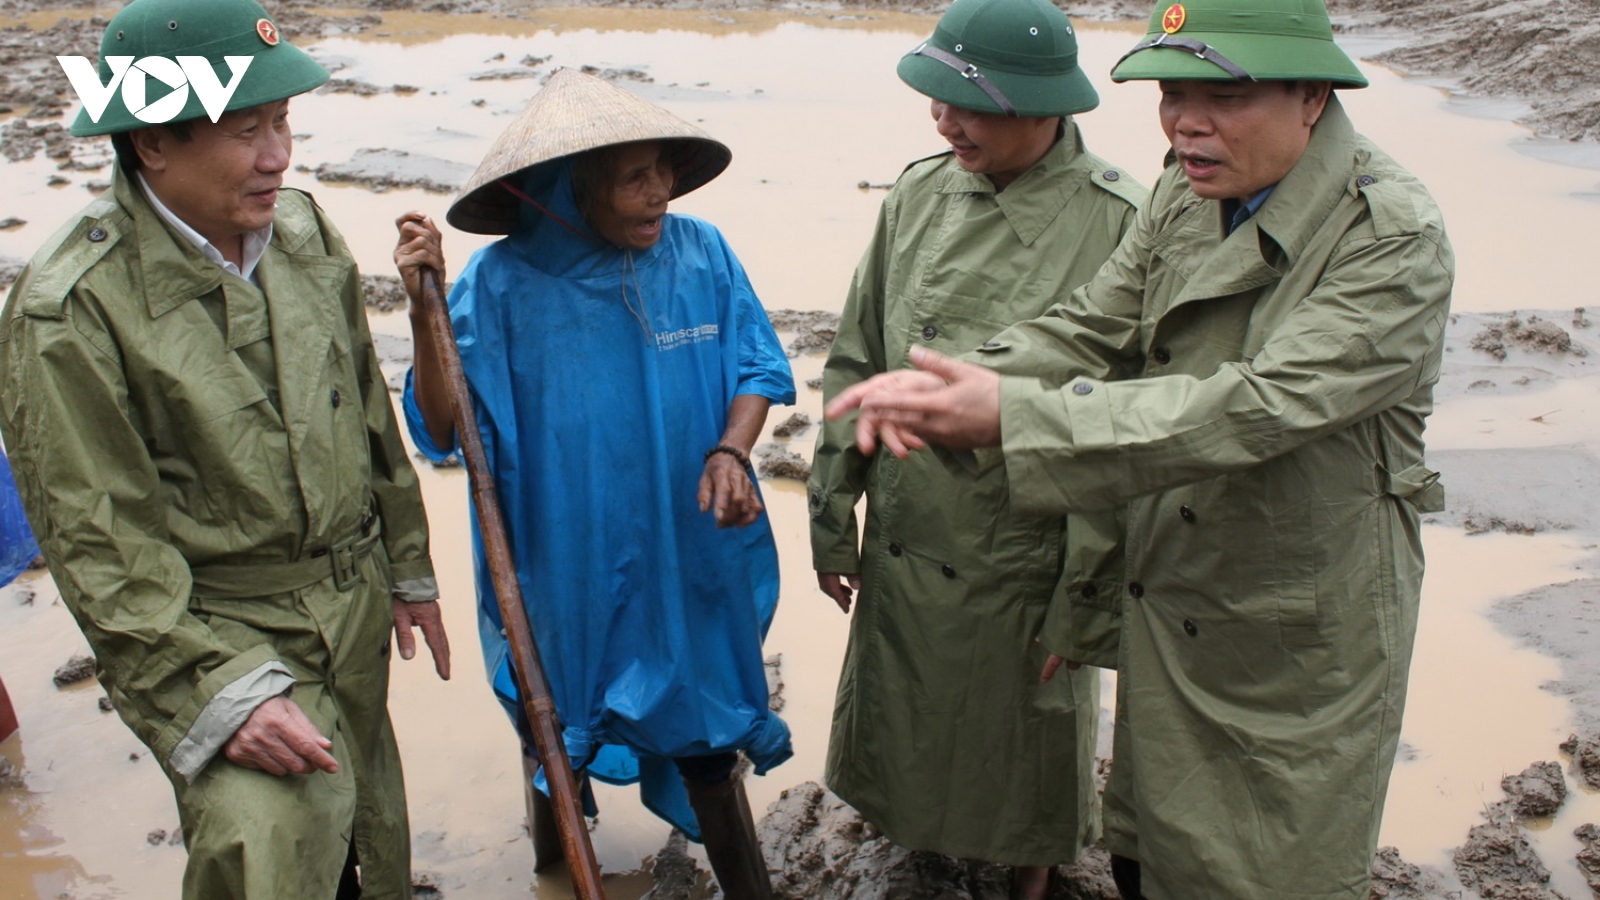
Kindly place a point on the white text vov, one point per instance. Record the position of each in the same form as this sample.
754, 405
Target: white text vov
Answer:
187, 72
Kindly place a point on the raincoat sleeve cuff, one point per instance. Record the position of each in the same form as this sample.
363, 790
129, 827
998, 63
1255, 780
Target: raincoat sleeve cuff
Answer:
222, 716
1041, 430
177, 728
834, 553
1084, 623
835, 544
417, 590
838, 564
419, 428
404, 573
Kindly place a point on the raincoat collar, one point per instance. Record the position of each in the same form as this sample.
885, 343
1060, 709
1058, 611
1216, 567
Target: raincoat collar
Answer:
1305, 197
255, 242
1034, 200
1298, 207
172, 270
302, 286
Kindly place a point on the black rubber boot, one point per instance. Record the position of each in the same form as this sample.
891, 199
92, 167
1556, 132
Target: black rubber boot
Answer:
1052, 883
349, 879
729, 833
541, 820
1125, 872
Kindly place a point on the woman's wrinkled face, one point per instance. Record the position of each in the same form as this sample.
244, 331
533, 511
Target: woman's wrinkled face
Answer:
632, 194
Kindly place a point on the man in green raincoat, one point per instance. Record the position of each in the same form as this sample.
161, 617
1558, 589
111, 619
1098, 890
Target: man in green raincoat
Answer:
944, 735
1248, 378
207, 453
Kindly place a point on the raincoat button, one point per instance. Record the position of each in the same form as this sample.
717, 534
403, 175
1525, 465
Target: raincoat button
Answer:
816, 499
97, 234
1162, 355
1365, 181
384, 650
991, 345
1082, 388
929, 332
1190, 628
335, 399
1089, 591
948, 571
1186, 513
1135, 590
894, 549
1111, 175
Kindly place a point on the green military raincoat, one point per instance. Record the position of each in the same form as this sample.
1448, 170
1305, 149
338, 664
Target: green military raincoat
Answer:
173, 434
1257, 402
943, 736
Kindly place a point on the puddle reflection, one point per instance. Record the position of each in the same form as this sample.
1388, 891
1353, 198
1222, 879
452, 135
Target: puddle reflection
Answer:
28, 851
1474, 712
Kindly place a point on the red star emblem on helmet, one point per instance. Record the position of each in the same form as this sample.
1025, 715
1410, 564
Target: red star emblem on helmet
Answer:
268, 32
1172, 20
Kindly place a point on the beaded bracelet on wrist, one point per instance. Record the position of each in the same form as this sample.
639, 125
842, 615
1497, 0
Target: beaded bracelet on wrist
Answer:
736, 453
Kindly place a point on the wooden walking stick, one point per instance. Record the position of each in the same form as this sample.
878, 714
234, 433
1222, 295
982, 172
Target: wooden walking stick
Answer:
536, 700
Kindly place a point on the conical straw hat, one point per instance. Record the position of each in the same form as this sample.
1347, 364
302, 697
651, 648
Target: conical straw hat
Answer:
575, 112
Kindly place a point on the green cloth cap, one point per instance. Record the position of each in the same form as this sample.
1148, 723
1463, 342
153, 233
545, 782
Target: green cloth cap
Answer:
1220, 40
988, 55
210, 28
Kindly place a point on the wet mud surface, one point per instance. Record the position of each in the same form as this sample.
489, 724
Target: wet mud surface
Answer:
1539, 53
1542, 53
1517, 438
776, 460
813, 330
1498, 861
77, 669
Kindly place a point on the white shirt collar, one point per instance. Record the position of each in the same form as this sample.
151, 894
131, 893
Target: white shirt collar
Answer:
254, 247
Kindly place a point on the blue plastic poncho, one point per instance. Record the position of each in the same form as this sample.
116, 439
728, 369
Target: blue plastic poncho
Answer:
17, 547
600, 378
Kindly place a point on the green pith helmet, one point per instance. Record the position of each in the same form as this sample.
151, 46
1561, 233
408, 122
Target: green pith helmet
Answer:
213, 29
1239, 40
1015, 57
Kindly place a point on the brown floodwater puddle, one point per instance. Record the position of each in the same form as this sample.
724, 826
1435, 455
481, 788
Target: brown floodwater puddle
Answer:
811, 107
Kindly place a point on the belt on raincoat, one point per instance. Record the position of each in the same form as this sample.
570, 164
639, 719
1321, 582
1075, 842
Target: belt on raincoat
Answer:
340, 561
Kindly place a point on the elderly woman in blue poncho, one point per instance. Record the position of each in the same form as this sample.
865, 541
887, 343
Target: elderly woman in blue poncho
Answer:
621, 368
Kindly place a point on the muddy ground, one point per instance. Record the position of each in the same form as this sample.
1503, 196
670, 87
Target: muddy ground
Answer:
1540, 54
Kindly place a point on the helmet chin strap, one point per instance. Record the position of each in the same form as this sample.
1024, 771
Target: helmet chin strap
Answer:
969, 72
1199, 48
